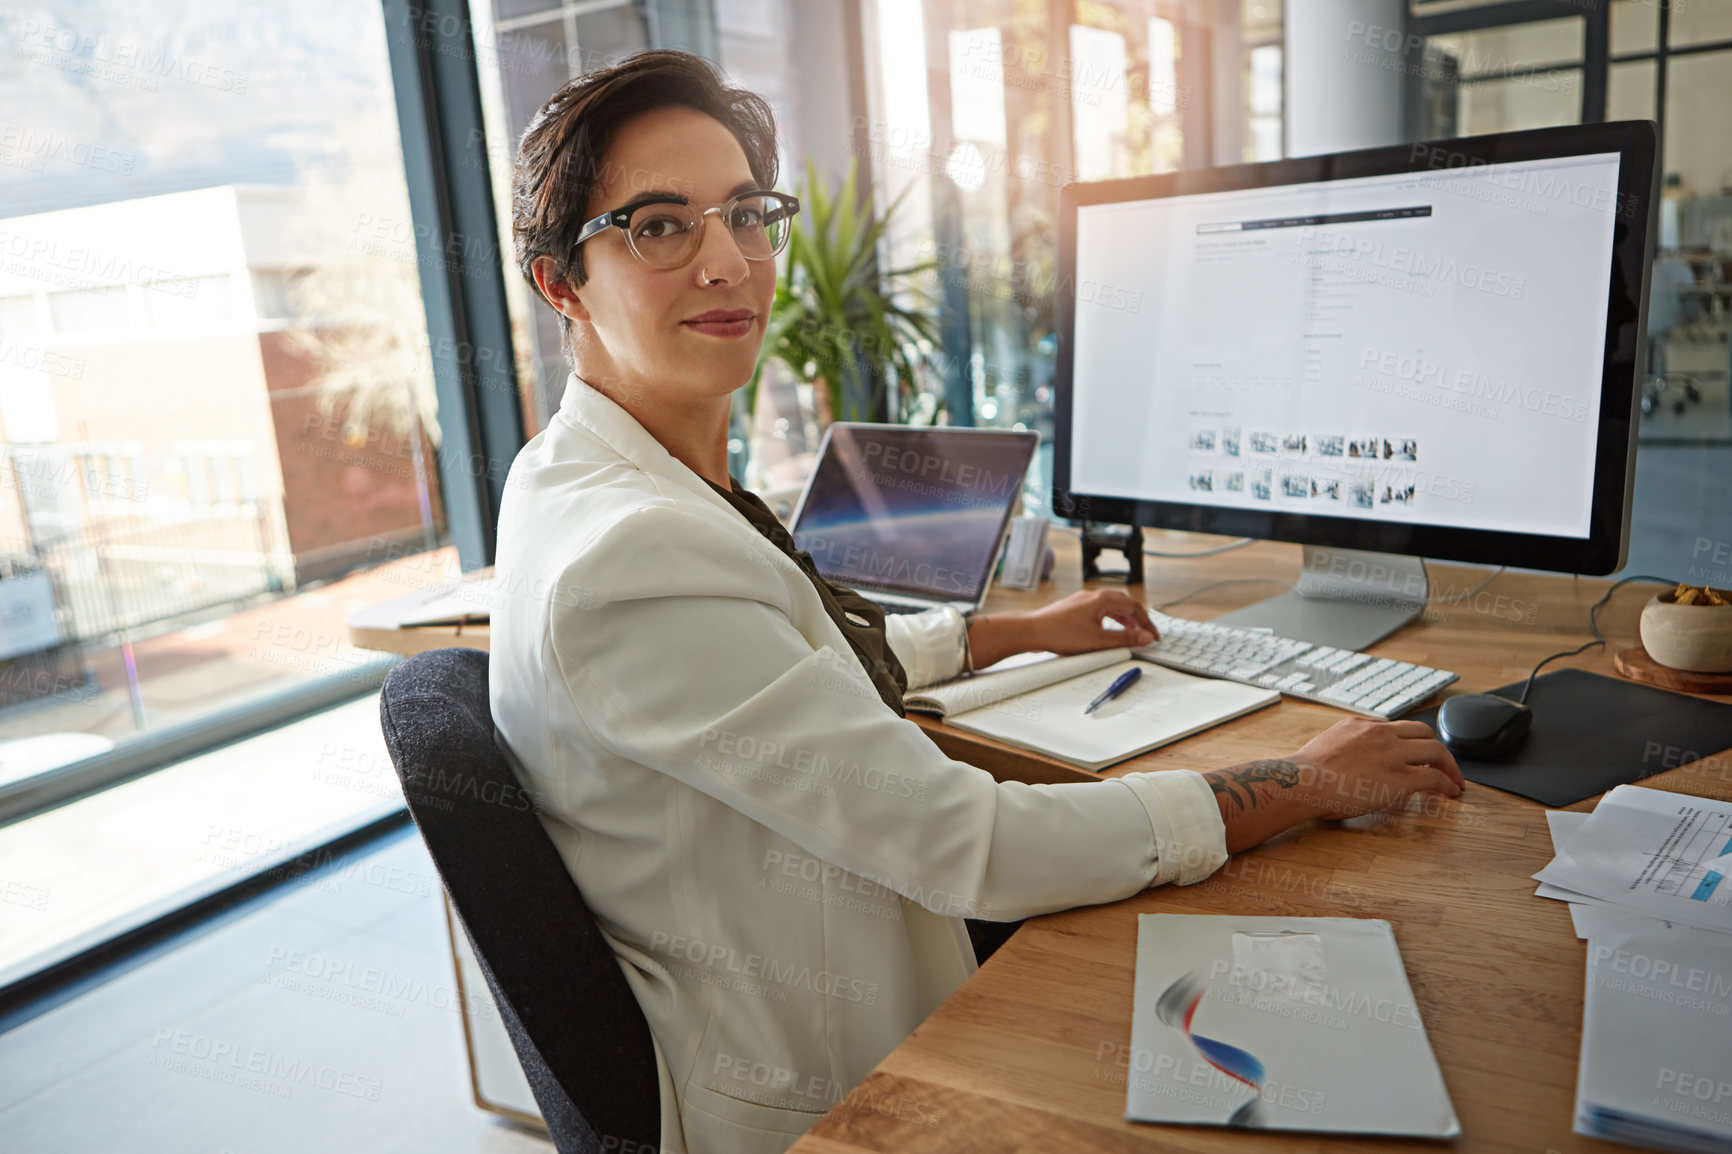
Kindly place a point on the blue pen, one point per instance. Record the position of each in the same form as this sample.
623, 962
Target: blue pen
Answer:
1124, 681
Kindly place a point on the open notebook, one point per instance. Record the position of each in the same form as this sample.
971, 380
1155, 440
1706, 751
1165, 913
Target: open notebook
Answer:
1039, 706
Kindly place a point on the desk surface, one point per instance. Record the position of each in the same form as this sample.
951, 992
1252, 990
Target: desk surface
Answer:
1028, 1054
377, 626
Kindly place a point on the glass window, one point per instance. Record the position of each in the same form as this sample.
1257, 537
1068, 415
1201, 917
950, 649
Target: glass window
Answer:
1536, 100
977, 87
609, 35
1698, 149
1635, 26
1168, 97
509, 9
189, 302
1684, 456
1514, 50
1700, 22
19, 317
970, 140
1100, 112
1630, 91
529, 49
1263, 103
1083, 91
1260, 20
92, 311
208, 489
1131, 89
277, 293
1501, 79
1262, 96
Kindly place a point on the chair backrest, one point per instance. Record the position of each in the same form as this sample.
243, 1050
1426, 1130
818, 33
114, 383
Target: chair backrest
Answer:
577, 1028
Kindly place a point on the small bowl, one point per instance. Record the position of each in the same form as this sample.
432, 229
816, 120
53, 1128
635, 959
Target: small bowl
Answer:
1697, 638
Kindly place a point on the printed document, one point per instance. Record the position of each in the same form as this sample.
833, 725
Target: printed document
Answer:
1280, 1024
1664, 855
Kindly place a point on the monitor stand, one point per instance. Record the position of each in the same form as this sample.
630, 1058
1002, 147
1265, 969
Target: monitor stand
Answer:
1346, 598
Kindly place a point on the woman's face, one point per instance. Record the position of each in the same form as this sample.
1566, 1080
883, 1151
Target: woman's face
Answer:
637, 328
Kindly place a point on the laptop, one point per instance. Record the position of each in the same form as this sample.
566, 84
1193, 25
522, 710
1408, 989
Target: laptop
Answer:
912, 517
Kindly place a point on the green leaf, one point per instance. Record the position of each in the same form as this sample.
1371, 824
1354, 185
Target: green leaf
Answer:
834, 312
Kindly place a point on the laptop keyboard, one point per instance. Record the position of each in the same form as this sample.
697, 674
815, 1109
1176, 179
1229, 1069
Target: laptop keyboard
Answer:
894, 607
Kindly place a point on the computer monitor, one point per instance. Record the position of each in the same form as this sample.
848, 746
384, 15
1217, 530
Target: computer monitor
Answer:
1426, 350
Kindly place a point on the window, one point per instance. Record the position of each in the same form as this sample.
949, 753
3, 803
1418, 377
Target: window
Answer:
91, 312
979, 111
1504, 78
1492, 68
529, 48
189, 302
217, 413
1260, 27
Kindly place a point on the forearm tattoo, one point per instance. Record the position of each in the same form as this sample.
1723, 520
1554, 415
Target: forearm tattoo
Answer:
1239, 783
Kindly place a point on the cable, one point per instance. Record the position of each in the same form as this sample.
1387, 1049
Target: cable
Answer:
1229, 546
1593, 627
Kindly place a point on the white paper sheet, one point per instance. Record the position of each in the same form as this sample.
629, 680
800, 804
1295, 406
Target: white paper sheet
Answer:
1563, 823
1653, 852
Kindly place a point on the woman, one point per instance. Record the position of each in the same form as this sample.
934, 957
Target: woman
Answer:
780, 859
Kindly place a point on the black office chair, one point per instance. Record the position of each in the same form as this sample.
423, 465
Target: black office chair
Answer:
583, 1041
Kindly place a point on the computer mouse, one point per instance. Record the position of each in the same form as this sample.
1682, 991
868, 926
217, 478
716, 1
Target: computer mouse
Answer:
1483, 725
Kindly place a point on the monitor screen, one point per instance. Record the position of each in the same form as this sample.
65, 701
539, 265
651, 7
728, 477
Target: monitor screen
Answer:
919, 511
1431, 359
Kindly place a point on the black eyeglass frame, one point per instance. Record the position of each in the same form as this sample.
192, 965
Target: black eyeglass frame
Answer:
620, 218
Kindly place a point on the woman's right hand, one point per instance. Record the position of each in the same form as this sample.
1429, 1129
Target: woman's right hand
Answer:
1354, 767
1364, 766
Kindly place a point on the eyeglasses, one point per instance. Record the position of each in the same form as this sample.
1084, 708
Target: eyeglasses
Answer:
666, 234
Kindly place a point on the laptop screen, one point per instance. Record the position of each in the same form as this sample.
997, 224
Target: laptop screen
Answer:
915, 511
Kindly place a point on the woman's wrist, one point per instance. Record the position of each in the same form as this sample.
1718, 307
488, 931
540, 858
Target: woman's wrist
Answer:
1260, 799
991, 637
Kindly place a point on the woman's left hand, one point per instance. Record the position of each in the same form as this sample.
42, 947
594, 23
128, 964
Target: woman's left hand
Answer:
1073, 624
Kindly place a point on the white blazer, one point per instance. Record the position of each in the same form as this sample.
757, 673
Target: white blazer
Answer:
781, 863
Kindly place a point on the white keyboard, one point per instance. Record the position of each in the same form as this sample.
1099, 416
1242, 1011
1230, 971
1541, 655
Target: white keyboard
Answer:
1358, 682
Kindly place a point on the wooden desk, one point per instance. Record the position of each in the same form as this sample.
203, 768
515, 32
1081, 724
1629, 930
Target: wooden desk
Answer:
377, 626
1030, 1054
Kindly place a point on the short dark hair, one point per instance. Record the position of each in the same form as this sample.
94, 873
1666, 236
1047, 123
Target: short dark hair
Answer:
560, 160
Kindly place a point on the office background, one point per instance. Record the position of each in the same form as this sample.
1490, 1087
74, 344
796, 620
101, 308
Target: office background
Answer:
264, 356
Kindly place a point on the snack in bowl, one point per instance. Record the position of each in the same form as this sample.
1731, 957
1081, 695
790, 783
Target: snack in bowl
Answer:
1690, 628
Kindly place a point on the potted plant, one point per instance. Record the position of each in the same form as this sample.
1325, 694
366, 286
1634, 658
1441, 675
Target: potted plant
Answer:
835, 319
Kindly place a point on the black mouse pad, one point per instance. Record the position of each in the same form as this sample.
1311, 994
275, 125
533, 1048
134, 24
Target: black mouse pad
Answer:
1592, 732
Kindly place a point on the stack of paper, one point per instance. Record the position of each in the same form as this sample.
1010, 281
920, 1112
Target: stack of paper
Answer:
1646, 875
